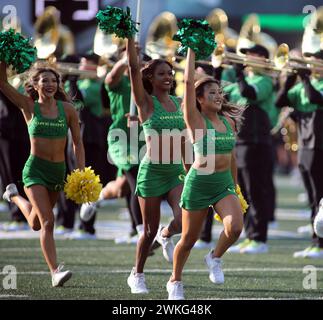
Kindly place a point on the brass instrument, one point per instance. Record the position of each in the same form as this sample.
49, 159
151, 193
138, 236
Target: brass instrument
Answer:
106, 45
159, 42
218, 21
313, 33
312, 42
220, 54
251, 34
283, 61
51, 37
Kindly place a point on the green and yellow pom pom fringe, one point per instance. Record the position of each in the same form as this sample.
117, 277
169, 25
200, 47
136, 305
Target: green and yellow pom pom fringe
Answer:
243, 203
197, 35
15, 50
83, 186
114, 20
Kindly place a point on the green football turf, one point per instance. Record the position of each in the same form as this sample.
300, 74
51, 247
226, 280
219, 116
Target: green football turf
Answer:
100, 268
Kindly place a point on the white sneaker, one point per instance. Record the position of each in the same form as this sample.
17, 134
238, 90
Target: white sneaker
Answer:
167, 245
133, 240
200, 244
11, 190
87, 211
318, 221
59, 277
315, 253
15, 226
255, 247
80, 235
238, 247
122, 239
302, 253
62, 231
310, 252
215, 268
175, 290
136, 282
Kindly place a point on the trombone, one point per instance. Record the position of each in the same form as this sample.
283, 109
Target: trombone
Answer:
219, 55
283, 61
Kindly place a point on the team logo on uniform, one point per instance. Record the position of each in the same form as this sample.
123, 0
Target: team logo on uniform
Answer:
181, 177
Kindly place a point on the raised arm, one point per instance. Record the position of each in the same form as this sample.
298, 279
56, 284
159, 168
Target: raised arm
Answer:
22, 102
246, 90
137, 87
114, 77
192, 115
74, 126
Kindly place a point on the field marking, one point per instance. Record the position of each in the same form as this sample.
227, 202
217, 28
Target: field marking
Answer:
166, 271
125, 247
13, 296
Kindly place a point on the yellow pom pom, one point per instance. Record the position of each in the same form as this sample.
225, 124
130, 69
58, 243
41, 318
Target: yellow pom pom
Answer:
83, 186
217, 217
243, 203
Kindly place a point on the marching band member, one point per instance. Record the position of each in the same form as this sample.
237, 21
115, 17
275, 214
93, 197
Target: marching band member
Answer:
307, 100
254, 147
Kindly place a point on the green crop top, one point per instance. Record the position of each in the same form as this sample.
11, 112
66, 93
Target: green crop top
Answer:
214, 142
162, 119
43, 127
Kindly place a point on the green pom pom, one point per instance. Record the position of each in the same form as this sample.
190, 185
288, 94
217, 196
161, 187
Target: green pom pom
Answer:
16, 50
115, 20
197, 35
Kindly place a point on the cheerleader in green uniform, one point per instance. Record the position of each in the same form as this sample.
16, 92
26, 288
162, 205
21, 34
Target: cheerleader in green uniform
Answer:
48, 114
118, 86
212, 178
157, 111
120, 153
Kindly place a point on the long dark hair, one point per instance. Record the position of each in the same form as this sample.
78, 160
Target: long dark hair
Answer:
148, 70
34, 78
228, 108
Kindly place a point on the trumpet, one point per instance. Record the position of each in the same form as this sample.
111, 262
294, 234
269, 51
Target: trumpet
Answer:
283, 61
